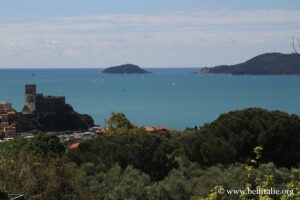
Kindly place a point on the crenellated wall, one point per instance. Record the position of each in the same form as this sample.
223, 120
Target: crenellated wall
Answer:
38, 103
49, 103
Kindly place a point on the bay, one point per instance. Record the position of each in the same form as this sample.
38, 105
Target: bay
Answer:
175, 98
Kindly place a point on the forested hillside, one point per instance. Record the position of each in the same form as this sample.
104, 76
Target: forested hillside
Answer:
241, 149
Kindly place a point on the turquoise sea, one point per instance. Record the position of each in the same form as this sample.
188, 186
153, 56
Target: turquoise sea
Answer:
176, 98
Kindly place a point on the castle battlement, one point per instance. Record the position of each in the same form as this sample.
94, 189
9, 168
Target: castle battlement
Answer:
30, 89
38, 103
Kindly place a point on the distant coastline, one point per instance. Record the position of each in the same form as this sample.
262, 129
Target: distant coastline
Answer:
265, 64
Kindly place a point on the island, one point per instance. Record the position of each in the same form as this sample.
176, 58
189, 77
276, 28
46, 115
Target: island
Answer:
265, 64
125, 69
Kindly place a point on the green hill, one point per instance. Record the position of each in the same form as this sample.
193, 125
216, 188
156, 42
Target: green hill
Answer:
269, 63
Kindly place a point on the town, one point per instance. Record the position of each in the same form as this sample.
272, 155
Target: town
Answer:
41, 106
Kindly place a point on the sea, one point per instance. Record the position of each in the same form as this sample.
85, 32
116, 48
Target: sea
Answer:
174, 98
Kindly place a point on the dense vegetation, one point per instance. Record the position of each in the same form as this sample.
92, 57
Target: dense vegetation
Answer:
125, 69
242, 149
269, 63
62, 121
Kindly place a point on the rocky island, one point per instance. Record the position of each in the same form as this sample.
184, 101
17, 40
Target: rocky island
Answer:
125, 69
265, 64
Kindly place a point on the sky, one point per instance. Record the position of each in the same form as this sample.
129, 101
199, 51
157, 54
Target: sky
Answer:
149, 33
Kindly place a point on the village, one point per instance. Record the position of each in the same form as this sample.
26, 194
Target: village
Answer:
7, 129
43, 105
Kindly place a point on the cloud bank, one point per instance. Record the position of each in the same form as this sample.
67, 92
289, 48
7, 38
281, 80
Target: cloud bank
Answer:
170, 39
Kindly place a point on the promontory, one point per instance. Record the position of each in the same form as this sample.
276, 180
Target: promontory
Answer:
265, 64
125, 69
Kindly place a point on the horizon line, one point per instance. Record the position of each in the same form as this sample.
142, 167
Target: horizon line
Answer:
74, 67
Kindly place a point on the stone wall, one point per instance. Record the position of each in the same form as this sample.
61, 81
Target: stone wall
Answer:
38, 103
49, 103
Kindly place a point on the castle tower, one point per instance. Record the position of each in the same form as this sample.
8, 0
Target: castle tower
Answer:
30, 98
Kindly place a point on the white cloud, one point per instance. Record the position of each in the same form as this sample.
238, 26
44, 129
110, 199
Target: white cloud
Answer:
107, 37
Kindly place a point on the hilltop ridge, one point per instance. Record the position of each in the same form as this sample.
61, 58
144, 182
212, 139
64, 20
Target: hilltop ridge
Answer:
125, 69
268, 63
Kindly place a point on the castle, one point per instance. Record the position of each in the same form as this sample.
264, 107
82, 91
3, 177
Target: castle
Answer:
40, 104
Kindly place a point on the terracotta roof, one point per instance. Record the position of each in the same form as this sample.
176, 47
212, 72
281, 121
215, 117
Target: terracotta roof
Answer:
103, 130
149, 128
74, 146
11, 113
156, 128
161, 128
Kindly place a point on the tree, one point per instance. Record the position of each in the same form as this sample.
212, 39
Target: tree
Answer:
296, 47
119, 120
2, 135
233, 136
3, 195
45, 145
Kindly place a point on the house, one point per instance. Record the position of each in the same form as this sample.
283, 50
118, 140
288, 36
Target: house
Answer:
7, 113
74, 145
156, 128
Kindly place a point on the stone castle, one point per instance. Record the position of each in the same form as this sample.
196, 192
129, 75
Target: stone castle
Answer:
40, 104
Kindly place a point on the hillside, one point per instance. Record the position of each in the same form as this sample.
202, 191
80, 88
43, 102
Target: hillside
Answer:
125, 69
249, 148
62, 121
269, 63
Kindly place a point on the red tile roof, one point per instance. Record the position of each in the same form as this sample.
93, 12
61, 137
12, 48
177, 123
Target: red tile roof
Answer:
74, 145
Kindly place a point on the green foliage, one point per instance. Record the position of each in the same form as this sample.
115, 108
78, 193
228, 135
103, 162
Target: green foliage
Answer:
34, 167
45, 145
117, 183
258, 151
236, 151
14, 146
233, 136
3, 195
2, 135
150, 153
119, 121
30, 175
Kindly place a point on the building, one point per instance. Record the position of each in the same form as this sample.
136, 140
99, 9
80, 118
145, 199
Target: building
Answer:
10, 131
40, 104
6, 114
156, 129
5, 107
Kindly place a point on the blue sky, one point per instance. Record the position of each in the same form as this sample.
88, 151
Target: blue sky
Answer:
86, 7
150, 33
